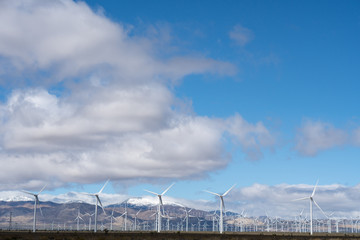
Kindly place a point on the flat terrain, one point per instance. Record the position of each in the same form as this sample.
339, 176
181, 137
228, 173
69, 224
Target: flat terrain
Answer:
73, 235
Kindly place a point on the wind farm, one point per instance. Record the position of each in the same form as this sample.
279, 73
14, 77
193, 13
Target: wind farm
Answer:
135, 216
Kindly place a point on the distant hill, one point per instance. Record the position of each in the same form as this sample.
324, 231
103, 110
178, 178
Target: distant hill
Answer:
62, 215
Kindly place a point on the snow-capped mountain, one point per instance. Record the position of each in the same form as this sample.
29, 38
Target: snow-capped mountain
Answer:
107, 199
14, 196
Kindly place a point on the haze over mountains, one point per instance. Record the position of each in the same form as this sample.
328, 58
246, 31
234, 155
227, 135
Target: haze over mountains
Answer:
256, 199
63, 215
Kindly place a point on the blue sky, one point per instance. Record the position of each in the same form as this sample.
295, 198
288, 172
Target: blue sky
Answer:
246, 92
301, 64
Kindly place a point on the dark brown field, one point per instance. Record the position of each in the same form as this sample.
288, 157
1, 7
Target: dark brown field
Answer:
68, 235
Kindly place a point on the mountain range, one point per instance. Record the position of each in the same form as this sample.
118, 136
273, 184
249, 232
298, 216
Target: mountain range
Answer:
17, 213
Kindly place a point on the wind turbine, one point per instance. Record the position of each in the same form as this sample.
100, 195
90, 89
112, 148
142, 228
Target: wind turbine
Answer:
160, 205
222, 206
96, 195
78, 217
90, 215
36, 201
311, 200
187, 215
125, 218
111, 219
135, 219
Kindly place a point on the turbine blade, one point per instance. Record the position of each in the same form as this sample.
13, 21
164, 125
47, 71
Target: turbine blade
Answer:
42, 189
223, 204
89, 194
103, 186
216, 194
30, 193
168, 189
229, 190
299, 199
38, 202
151, 192
160, 199
103, 210
163, 210
97, 196
320, 208
138, 212
41, 211
313, 193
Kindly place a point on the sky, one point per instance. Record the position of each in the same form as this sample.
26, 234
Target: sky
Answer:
262, 94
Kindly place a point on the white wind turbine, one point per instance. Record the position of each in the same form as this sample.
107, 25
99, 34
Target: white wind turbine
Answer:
90, 215
77, 219
135, 219
96, 195
187, 215
222, 206
36, 201
311, 200
125, 218
111, 219
159, 206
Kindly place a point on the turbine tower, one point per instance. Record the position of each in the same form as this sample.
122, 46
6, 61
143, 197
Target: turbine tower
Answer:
222, 206
187, 218
96, 195
111, 219
135, 219
312, 200
36, 201
77, 219
159, 206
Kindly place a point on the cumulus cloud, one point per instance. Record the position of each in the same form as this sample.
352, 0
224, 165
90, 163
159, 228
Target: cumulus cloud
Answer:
69, 39
115, 117
252, 137
316, 136
46, 138
241, 35
278, 200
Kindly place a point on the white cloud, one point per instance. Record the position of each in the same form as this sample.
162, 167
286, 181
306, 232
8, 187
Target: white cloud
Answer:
356, 137
314, 137
46, 138
69, 39
241, 35
252, 137
277, 200
116, 117
119, 135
